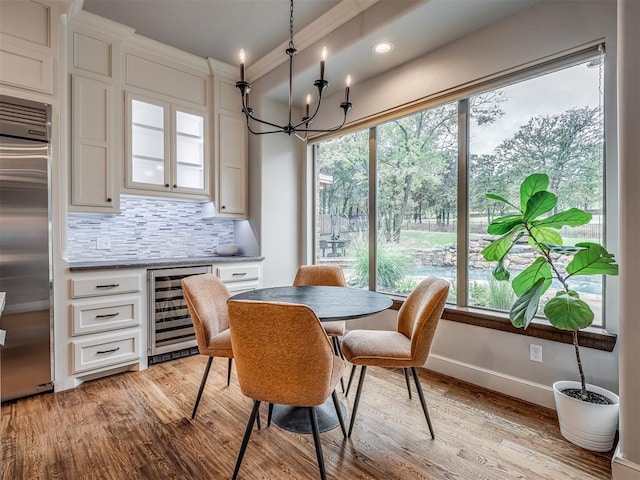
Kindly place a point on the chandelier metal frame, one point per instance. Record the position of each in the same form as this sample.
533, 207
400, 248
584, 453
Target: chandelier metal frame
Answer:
300, 129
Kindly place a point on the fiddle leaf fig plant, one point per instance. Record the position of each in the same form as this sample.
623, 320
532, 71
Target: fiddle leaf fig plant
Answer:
566, 310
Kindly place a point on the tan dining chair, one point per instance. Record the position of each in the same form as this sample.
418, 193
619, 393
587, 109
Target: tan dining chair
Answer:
327, 276
406, 347
206, 296
283, 356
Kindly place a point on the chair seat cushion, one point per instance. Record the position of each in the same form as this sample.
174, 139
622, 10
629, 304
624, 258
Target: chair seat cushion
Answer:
377, 348
219, 346
334, 329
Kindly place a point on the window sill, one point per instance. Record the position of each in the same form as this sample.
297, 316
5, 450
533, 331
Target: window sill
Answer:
591, 337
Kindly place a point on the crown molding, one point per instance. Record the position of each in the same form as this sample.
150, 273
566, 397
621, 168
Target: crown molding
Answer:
325, 24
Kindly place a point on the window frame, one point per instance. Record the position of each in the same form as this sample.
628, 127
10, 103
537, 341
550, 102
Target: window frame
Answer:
592, 337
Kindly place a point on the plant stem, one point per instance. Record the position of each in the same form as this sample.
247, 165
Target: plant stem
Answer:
583, 383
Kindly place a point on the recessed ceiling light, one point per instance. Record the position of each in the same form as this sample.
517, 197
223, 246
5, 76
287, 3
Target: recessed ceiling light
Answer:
382, 47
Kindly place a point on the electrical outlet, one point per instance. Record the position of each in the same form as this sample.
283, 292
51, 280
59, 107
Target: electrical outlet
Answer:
103, 243
535, 353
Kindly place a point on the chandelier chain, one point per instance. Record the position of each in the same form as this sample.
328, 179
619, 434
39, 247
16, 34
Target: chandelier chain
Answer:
291, 45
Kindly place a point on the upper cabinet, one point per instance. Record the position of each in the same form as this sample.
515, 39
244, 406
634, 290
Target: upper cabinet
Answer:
28, 45
231, 144
96, 141
167, 124
166, 147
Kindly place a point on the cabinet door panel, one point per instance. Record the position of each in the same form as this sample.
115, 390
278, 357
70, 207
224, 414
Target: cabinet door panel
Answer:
92, 165
232, 181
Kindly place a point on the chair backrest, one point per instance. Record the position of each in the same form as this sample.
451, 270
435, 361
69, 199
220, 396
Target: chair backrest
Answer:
325, 275
206, 296
282, 353
419, 315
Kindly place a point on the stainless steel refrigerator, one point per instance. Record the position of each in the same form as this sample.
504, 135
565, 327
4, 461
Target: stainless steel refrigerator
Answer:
25, 266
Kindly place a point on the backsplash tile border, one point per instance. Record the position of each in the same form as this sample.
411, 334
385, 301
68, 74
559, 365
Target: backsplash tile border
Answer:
146, 228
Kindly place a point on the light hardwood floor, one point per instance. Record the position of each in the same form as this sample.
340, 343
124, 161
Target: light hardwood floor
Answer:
137, 426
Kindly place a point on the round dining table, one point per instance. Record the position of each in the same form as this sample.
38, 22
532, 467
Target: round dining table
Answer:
329, 304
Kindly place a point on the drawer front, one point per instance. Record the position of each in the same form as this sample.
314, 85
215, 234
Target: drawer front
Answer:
104, 316
106, 350
238, 273
94, 286
239, 287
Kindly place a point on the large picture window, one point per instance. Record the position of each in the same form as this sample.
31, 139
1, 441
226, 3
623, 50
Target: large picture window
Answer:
406, 175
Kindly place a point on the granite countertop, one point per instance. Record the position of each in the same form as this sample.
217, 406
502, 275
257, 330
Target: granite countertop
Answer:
158, 262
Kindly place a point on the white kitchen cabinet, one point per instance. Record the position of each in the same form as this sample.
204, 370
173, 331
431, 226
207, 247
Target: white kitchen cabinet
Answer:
93, 47
231, 142
93, 181
239, 277
166, 148
107, 327
27, 45
232, 170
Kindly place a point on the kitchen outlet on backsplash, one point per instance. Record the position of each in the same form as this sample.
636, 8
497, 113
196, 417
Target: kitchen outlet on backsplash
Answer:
146, 228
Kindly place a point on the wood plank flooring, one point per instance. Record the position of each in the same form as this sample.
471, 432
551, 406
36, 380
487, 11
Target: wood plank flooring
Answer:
137, 425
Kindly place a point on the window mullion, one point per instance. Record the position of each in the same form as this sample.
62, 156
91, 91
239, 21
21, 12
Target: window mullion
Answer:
373, 210
462, 256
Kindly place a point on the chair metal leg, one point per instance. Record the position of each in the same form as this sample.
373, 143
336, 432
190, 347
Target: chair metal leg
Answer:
336, 404
258, 420
363, 371
338, 351
351, 375
202, 384
245, 439
270, 415
421, 395
406, 379
229, 371
316, 441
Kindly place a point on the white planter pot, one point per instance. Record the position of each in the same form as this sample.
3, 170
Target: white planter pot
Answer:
587, 425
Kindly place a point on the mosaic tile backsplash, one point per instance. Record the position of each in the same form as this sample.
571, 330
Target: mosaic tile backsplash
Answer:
146, 228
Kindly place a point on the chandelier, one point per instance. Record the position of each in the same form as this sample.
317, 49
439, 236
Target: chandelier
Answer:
300, 129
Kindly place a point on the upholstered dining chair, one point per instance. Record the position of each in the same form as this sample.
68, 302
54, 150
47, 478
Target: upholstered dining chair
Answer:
328, 276
206, 296
406, 347
283, 356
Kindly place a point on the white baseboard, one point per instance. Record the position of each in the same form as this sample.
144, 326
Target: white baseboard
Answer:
623, 469
499, 382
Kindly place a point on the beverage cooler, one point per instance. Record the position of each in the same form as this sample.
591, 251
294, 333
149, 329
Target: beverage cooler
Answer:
171, 333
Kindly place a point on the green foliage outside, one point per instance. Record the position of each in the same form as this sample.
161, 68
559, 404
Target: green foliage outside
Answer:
392, 262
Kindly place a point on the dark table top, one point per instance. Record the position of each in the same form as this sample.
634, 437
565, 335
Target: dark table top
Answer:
328, 303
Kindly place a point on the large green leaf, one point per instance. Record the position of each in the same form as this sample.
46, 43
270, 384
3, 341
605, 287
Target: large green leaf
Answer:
539, 203
496, 250
505, 224
526, 279
566, 311
531, 185
525, 307
500, 273
544, 235
493, 196
592, 260
571, 218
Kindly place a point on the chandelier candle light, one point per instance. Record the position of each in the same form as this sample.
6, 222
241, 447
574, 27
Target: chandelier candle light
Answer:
300, 129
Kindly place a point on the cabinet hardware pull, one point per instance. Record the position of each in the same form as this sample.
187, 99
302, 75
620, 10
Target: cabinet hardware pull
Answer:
175, 186
108, 200
108, 315
111, 285
109, 351
166, 185
239, 274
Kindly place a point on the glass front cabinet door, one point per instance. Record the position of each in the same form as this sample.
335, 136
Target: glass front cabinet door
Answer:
166, 148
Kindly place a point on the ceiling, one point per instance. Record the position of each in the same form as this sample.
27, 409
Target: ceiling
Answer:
219, 28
